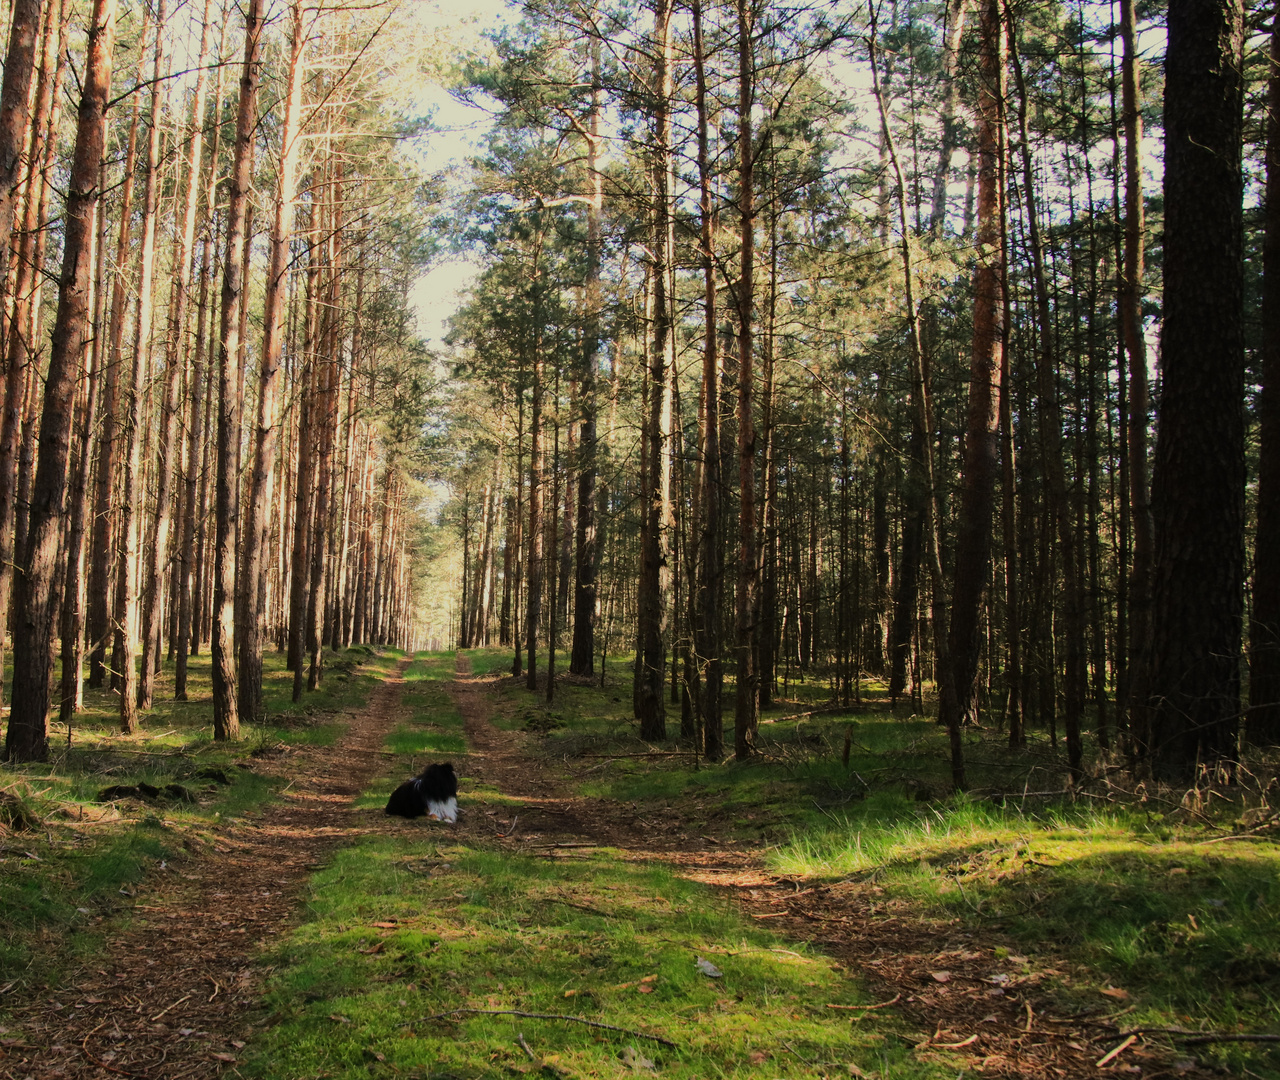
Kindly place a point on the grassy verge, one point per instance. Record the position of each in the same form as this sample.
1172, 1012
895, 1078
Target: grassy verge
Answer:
1145, 898
403, 929
70, 847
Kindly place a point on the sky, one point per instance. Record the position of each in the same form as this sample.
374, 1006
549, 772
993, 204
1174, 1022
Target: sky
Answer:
458, 131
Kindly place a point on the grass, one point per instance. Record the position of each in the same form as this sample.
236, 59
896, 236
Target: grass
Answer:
435, 728
1133, 897
402, 929
61, 876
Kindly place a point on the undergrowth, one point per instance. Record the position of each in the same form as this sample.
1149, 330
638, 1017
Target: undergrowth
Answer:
77, 832
1149, 891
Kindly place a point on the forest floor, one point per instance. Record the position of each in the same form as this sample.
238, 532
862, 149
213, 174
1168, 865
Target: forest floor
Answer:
177, 990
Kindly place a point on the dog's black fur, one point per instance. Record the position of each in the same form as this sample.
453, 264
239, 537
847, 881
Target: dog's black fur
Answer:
435, 790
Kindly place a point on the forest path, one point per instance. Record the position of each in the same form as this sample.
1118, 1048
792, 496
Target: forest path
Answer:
978, 1005
175, 992
171, 989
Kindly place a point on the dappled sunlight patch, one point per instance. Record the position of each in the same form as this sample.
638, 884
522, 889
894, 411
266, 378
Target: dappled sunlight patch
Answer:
402, 935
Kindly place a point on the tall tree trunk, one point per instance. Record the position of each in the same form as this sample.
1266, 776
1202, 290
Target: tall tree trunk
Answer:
1197, 487
1051, 441
169, 454
1129, 302
226, 718
533, 598
744, 718
931, 525
982, 425
582, 658
27, 738
262, 471
1263, 724
650, 703
196, 479
17, 341
130, 505
710, 543
102, 544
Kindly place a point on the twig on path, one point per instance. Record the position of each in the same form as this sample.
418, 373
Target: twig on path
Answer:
543, 1016
525, 1047
581, 907
1109, 1057
797, 1053
823, 811
1192, 1037
882, 1005
511, 831
216, 986
830, 710
1252, 834
173, 1006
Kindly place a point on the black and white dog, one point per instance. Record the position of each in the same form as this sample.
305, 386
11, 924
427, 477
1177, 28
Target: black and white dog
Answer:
434, 793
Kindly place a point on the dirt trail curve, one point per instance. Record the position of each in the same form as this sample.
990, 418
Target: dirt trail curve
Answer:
171, 993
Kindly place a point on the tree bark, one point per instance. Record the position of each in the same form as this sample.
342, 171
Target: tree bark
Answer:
226, 718
1051, 441
262, 471
27, 738
582, 657
744, 717
17, 343
1197, 489
710, 543
1263, 722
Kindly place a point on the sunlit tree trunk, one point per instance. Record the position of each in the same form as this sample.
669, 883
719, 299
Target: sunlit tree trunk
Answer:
17, 339
126, 606
226, 719
265, 435
582, 658
37, 599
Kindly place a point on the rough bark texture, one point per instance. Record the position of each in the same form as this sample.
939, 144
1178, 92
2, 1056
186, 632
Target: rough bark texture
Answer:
1130, 308
265, 435
710, 547
132, 694
744, 722
982, 423
37, 600
1197, 489
14, 93
1052, 449
582, 658
1263, 727
650, 702
226, 719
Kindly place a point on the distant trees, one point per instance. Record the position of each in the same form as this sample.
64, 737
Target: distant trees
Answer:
827, 349
125, 482
756, 363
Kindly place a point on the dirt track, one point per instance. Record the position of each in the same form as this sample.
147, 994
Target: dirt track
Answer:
177, 986
177, 990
